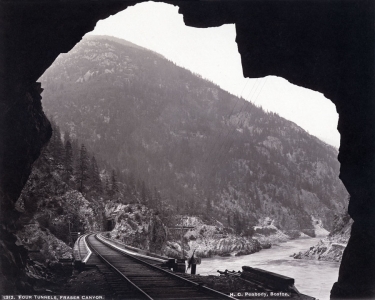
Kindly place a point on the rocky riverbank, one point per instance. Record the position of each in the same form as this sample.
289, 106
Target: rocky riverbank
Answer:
332, 247
212, 239
136, 225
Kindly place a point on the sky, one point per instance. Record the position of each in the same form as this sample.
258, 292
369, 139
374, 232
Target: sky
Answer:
213, 53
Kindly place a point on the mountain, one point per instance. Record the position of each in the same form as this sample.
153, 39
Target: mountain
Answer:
208, 152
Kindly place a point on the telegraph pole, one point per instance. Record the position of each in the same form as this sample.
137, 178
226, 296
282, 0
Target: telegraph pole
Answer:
182, 228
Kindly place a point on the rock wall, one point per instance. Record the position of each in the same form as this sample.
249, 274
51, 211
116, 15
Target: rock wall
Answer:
24, 129
137, 226
324, 46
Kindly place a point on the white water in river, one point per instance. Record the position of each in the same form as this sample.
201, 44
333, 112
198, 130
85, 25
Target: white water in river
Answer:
312, 277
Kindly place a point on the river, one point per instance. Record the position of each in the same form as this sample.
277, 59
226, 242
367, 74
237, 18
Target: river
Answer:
312, 277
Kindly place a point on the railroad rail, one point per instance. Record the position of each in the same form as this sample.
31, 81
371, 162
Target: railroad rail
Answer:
81, 252
133, 277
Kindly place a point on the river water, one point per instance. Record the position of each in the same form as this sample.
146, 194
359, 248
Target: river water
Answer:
312, 277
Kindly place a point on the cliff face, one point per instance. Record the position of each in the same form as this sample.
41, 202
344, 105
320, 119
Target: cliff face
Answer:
51, 204
332, 247
24, 129
48, 209
136, 225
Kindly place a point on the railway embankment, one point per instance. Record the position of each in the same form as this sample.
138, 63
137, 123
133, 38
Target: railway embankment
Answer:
243, 284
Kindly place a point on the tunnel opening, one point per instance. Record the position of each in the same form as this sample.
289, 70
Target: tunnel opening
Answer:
110, 67
110, 224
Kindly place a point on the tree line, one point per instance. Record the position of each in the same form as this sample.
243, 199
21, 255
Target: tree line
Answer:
76, 166
80, 170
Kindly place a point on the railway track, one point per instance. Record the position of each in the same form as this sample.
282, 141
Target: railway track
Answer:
135, 278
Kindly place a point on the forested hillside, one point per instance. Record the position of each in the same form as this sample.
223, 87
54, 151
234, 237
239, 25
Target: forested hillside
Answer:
206, 151
68, 191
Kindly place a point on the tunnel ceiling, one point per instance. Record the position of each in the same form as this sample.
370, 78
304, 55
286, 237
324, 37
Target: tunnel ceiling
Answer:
310, 43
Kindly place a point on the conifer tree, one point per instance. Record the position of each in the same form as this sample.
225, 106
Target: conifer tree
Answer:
148, 195
56, 146
238, 223
75, 147
95, 180
157, 199
82, 168
66, 136
177, 203
107, 187
193, 205
229, 220
44, 160
139, 185
208, 206
143, 193
114, 184
68, 160
131, 182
